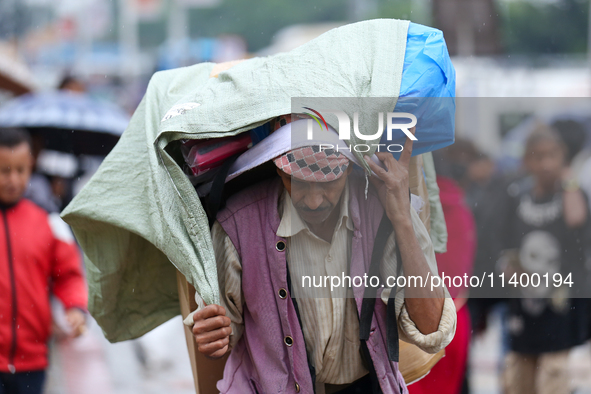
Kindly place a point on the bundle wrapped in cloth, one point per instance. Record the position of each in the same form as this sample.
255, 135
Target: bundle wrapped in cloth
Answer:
139, 219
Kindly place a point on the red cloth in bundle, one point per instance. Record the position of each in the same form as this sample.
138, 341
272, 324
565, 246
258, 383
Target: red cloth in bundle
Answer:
204, 155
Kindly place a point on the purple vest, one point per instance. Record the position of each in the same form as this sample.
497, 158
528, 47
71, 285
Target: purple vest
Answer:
271, 355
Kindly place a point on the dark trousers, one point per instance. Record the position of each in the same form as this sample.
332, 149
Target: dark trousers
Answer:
22, 382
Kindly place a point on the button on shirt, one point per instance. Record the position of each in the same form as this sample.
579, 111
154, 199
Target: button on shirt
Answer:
330, 324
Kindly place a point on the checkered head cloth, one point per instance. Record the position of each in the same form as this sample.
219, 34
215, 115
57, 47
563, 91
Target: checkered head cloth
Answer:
310, 163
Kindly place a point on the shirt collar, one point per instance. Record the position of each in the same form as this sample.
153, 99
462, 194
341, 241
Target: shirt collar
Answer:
291, 223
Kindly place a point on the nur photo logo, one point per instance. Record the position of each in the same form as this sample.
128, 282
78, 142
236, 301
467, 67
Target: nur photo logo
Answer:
395, 121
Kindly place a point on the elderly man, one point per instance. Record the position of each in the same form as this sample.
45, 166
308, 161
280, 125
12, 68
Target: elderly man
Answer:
317, 218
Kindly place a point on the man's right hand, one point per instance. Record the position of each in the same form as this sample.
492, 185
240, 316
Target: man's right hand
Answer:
212, 330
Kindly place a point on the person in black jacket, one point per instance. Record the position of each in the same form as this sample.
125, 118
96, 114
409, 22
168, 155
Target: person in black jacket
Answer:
545, 222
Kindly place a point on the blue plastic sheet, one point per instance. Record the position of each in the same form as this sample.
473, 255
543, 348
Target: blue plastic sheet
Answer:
427, 89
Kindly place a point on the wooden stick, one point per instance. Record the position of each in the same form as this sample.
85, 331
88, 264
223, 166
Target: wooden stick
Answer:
206, 372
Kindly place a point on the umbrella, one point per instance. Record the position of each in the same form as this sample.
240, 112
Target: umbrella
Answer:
69, 122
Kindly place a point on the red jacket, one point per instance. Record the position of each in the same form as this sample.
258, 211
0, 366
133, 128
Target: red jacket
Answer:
447, 375
37, 256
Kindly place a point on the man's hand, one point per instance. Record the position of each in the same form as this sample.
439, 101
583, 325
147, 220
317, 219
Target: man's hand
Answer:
392, 183
76, 321
212, 330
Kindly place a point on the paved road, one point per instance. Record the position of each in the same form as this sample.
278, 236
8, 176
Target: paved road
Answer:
485, 363
158, 363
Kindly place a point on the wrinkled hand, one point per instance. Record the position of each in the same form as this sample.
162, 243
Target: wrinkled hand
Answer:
392, 183
76, 321
212, 330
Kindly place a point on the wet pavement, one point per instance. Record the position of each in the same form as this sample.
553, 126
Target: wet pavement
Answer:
159, 363
486, 363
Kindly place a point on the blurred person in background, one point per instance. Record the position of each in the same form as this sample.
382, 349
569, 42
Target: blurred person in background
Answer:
72, 84
77, 365
39, 189
482, 187
61, 187
574, 135
38, 256
543, 230
50, 191
484, 195
448, 376
585, 177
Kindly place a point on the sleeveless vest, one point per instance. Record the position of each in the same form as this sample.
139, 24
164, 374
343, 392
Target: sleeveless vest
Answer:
270, 357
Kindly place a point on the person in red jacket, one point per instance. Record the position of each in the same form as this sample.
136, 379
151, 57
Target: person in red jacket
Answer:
38, 256
449, 374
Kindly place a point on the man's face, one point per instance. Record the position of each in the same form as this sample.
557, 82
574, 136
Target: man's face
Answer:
314, 201
545, 162
16, 164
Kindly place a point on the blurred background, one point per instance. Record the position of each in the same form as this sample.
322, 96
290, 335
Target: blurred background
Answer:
109, 49
501, 47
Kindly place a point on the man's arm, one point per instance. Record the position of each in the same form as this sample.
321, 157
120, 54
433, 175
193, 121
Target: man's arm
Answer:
424, 305
407, 328
68, 281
